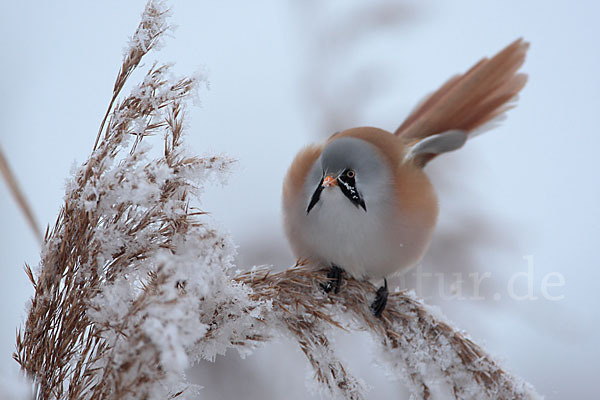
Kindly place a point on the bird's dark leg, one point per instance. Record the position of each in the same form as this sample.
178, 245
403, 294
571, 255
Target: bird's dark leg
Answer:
380, 300
335, 280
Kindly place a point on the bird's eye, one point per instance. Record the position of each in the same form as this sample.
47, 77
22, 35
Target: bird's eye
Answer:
350, 173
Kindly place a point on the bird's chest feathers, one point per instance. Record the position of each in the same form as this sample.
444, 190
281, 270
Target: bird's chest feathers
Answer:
345, 234
337, 217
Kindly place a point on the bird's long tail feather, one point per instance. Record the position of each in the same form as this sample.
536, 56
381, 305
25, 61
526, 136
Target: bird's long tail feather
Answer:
470, 100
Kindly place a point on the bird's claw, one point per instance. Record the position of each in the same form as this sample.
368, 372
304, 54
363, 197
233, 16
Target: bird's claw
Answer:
334, 281
380, 302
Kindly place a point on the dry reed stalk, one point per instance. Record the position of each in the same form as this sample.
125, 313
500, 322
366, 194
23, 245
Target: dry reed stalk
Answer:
133, 284
15, 189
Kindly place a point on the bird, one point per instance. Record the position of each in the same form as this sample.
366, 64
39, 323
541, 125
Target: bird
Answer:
361, 203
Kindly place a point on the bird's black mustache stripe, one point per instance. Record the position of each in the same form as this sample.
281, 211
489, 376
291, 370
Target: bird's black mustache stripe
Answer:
348, 188
316, 195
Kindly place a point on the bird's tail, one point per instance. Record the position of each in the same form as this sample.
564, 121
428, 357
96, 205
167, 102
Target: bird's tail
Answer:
468, 101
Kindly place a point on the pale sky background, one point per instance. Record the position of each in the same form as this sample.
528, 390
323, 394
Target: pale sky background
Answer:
534, 179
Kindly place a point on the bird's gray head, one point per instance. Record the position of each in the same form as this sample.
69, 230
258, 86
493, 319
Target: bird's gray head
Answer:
353, 165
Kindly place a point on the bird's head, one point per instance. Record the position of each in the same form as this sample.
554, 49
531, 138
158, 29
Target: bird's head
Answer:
353, 166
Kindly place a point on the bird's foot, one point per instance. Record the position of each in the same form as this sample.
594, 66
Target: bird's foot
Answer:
335, 280
380, 300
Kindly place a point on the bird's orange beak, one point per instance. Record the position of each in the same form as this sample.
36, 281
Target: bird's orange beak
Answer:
329, 181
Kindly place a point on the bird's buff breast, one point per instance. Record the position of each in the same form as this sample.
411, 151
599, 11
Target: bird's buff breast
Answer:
372, 244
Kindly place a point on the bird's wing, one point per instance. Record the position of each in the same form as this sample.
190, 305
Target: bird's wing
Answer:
468, 101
